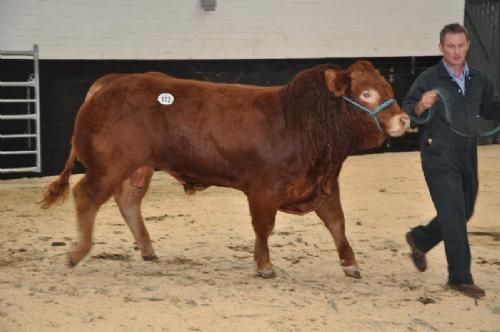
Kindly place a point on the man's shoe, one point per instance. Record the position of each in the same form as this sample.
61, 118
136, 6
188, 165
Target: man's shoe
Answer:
469, 290
417, 256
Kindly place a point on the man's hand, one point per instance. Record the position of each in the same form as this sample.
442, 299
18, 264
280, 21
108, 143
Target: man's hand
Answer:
428, 99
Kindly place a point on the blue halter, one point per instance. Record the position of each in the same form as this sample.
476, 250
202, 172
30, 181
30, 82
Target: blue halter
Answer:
373, 113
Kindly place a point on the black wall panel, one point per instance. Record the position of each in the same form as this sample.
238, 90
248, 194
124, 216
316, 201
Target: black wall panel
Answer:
64, 83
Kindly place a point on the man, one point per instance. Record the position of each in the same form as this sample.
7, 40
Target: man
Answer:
459, 94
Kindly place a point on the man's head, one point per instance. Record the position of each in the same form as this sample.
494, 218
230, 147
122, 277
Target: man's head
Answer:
454, 44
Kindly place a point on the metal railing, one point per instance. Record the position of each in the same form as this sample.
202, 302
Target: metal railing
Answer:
32, 117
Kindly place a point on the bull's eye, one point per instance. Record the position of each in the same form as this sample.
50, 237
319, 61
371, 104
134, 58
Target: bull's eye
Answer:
370, 96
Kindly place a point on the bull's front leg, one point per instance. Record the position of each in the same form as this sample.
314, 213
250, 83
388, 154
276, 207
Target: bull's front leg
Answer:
330, 212
263, 214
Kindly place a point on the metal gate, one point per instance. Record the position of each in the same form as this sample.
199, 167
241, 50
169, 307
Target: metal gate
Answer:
482, 19
27, 137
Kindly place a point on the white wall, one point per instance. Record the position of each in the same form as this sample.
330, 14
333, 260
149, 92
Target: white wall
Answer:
237, 29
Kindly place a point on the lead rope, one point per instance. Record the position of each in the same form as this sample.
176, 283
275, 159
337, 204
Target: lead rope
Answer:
432, 112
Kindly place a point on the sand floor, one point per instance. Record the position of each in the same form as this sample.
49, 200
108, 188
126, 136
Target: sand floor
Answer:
205, 281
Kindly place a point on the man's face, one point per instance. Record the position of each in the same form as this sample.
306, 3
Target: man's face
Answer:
454, 48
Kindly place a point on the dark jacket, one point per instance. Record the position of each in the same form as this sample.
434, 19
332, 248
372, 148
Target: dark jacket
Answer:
463, 112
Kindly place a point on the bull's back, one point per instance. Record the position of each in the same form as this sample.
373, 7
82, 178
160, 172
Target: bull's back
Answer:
219, 131
209, 130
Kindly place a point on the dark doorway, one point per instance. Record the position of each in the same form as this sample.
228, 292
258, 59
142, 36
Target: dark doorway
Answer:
482, 19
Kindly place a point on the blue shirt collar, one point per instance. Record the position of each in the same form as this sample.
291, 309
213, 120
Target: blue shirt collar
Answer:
450, 71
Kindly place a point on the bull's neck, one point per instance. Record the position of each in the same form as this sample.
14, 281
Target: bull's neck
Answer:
367, 141
359, 138
351, 133
363, 132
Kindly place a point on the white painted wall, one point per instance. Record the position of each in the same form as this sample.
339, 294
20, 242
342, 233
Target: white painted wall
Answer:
237, 29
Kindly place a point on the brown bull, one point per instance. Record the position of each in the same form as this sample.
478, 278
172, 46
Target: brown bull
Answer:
282, 146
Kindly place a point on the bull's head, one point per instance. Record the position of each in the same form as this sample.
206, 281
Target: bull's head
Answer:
363, 87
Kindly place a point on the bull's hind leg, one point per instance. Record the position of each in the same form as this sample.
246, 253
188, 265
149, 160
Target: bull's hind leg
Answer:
89, 194
263, 218
129, 197
330, 212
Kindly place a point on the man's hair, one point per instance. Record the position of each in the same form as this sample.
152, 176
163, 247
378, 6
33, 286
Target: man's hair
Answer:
453, 28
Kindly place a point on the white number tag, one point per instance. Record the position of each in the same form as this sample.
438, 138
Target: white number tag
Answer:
166, 98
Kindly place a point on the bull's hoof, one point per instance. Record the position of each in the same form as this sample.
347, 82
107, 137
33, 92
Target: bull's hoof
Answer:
266, 274
150, 258
71, 261
352, 271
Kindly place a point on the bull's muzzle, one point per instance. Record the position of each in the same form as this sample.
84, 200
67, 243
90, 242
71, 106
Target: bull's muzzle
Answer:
398, 125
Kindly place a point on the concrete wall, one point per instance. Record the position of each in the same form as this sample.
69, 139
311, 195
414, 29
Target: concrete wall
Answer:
237, 29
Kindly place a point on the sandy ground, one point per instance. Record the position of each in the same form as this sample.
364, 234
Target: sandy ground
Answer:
204, 280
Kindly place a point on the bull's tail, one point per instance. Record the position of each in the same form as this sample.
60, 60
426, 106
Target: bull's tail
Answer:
58, 190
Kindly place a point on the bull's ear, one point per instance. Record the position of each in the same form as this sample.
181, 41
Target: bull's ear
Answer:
337, 81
